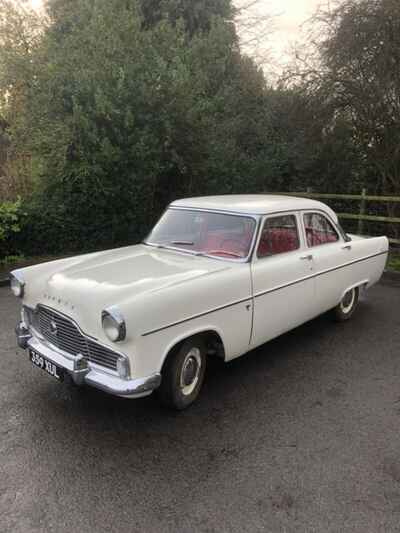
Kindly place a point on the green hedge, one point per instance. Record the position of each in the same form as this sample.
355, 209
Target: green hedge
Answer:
12, 218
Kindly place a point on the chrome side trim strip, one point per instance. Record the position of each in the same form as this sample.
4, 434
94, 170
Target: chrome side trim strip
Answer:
351, 263
317, 274
279, 287
178, 322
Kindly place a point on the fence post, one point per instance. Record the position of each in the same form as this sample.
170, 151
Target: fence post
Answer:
360, 230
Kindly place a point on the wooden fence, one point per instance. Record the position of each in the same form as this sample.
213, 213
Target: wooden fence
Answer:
362, 214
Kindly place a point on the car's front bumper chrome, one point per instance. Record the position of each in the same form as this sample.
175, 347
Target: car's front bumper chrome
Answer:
90, 374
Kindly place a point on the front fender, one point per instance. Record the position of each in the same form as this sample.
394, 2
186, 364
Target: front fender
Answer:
190, 332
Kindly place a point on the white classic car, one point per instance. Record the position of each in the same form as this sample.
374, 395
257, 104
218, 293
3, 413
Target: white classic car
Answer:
216, 276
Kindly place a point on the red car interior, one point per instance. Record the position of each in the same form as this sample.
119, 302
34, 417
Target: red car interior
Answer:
278, 240
221, 240
315, 237
273, 241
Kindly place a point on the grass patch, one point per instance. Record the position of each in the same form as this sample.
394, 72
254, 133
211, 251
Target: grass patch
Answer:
11, 260
394, 261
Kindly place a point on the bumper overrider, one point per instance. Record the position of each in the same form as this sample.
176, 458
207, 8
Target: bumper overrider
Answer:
83, 373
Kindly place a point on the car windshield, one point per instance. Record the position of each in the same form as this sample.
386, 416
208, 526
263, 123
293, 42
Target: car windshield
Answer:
205, 233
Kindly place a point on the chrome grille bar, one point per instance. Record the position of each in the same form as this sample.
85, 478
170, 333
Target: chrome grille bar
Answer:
63, 333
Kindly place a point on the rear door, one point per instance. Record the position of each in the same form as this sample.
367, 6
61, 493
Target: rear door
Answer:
282, 276
339, 264
329, 253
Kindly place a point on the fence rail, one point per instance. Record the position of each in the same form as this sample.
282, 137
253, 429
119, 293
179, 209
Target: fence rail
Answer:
386, 199
361, 216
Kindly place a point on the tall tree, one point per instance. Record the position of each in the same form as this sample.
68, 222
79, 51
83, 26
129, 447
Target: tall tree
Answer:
354, 67
125, 116
20, 33
197, 15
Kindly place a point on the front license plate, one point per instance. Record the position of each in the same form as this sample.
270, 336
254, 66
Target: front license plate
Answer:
46, 365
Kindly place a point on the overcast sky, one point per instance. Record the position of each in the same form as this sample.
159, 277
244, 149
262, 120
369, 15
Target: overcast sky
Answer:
290, 15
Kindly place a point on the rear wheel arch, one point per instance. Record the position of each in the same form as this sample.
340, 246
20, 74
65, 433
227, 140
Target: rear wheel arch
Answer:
347, 306
359, 285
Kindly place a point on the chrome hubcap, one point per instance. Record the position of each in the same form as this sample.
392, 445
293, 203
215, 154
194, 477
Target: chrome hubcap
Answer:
190, 371
348, 300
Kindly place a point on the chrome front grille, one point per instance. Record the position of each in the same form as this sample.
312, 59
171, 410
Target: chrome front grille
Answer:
63, 333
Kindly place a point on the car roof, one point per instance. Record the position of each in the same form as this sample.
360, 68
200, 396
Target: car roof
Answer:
253, 204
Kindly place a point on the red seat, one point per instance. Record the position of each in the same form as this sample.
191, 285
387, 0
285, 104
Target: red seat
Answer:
315, 238
225, 241
277, 241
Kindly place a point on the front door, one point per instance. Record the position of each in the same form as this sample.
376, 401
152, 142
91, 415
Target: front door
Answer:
283, 282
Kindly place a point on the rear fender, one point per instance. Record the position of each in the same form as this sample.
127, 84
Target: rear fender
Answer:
360, 285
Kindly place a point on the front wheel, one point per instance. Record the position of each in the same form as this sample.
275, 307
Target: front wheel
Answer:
347, 305
183, 374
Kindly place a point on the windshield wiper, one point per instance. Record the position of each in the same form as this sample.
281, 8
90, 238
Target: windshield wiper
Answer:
154, 244
182, 243
168, 245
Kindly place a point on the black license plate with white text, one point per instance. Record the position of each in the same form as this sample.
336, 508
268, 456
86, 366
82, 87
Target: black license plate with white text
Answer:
48, 366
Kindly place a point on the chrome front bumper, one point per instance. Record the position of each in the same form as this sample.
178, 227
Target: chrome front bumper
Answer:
89, 375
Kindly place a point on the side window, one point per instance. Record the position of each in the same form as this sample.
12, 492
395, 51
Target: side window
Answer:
319, 230
279, 235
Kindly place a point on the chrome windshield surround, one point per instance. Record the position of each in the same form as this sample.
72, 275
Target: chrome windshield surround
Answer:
246, 259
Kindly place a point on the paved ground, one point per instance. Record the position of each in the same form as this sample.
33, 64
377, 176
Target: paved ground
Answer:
301, 435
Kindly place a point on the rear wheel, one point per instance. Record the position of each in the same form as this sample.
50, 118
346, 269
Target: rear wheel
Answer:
347, 306
183, 374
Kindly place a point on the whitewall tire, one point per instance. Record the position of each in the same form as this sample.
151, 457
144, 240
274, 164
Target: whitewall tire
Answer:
183, 374
347, 306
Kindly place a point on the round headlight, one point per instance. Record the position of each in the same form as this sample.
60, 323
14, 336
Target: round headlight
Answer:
113, 324
17, 285
111, 328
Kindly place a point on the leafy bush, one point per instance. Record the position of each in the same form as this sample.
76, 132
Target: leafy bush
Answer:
155, 111
107, 131
394, 261
11, 221
11, 260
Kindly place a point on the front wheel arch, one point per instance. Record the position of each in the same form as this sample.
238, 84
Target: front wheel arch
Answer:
183, 372
212, 338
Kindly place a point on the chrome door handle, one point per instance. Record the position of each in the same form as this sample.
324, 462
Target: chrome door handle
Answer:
346, 247
308, 257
